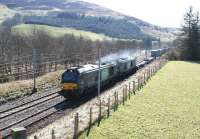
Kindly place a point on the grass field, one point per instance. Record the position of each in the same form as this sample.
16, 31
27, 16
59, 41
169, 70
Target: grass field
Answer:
168, 107
59, 31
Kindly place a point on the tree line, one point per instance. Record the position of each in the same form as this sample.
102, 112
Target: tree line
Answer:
19, 52
14, 45
188, 42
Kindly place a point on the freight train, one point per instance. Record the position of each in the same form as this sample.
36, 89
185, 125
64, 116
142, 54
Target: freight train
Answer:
80, 80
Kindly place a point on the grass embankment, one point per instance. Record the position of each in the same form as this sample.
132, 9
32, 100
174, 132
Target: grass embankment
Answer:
59, 31
167, 107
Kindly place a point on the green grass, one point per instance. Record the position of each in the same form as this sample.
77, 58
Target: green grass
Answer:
168, 107
59, 31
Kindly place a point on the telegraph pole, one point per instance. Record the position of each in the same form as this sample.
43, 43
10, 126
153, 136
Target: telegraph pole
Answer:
34, 63
34, 70
99, 77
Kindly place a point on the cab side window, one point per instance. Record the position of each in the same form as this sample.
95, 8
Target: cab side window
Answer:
111, 70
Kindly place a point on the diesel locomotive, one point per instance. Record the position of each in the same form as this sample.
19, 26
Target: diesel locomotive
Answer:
77, 81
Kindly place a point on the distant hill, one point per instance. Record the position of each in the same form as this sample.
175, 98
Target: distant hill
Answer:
84, 16
26, 29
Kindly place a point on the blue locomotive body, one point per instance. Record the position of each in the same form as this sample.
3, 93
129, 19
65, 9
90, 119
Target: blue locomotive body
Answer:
79, 80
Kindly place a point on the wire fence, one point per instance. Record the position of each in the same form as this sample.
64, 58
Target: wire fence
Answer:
26, 68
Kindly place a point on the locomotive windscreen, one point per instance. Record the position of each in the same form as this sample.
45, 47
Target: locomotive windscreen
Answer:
70, 76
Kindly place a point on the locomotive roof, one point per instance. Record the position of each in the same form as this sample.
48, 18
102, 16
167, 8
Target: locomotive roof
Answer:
90, 67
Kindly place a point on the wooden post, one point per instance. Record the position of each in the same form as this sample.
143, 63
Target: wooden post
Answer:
123, 96
115, 101
35, 137
55, 65
99, 117
148, 73
108, 112
53, 134
129, 90
138, 83
134, 87
90, 122
126, 88
49, 66
75, 126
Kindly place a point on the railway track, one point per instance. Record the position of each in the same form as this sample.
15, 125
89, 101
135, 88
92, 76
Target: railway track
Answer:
29, 112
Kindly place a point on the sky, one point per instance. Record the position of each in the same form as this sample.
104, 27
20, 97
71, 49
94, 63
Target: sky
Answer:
165, 13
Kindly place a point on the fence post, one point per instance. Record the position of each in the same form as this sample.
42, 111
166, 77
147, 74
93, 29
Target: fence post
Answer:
126, 92
139, 82
115, 101
90, 122
99, 117
55, 66
35, 137
108, 112
134, 87
75, 126
149, 73
53, 134
129, 90
123, 96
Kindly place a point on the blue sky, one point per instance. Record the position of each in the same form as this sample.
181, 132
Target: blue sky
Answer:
166, 13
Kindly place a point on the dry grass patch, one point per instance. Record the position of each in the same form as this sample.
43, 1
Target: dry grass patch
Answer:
15, 89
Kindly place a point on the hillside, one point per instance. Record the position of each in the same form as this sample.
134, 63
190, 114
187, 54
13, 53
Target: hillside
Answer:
83, 16
58, 31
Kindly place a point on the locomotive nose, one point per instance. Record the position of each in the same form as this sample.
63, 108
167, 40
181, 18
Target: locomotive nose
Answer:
70, 86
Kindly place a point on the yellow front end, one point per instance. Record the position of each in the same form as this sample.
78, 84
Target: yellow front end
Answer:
70, 86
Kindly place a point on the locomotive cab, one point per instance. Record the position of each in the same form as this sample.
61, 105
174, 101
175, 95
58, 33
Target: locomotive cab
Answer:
70, 82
